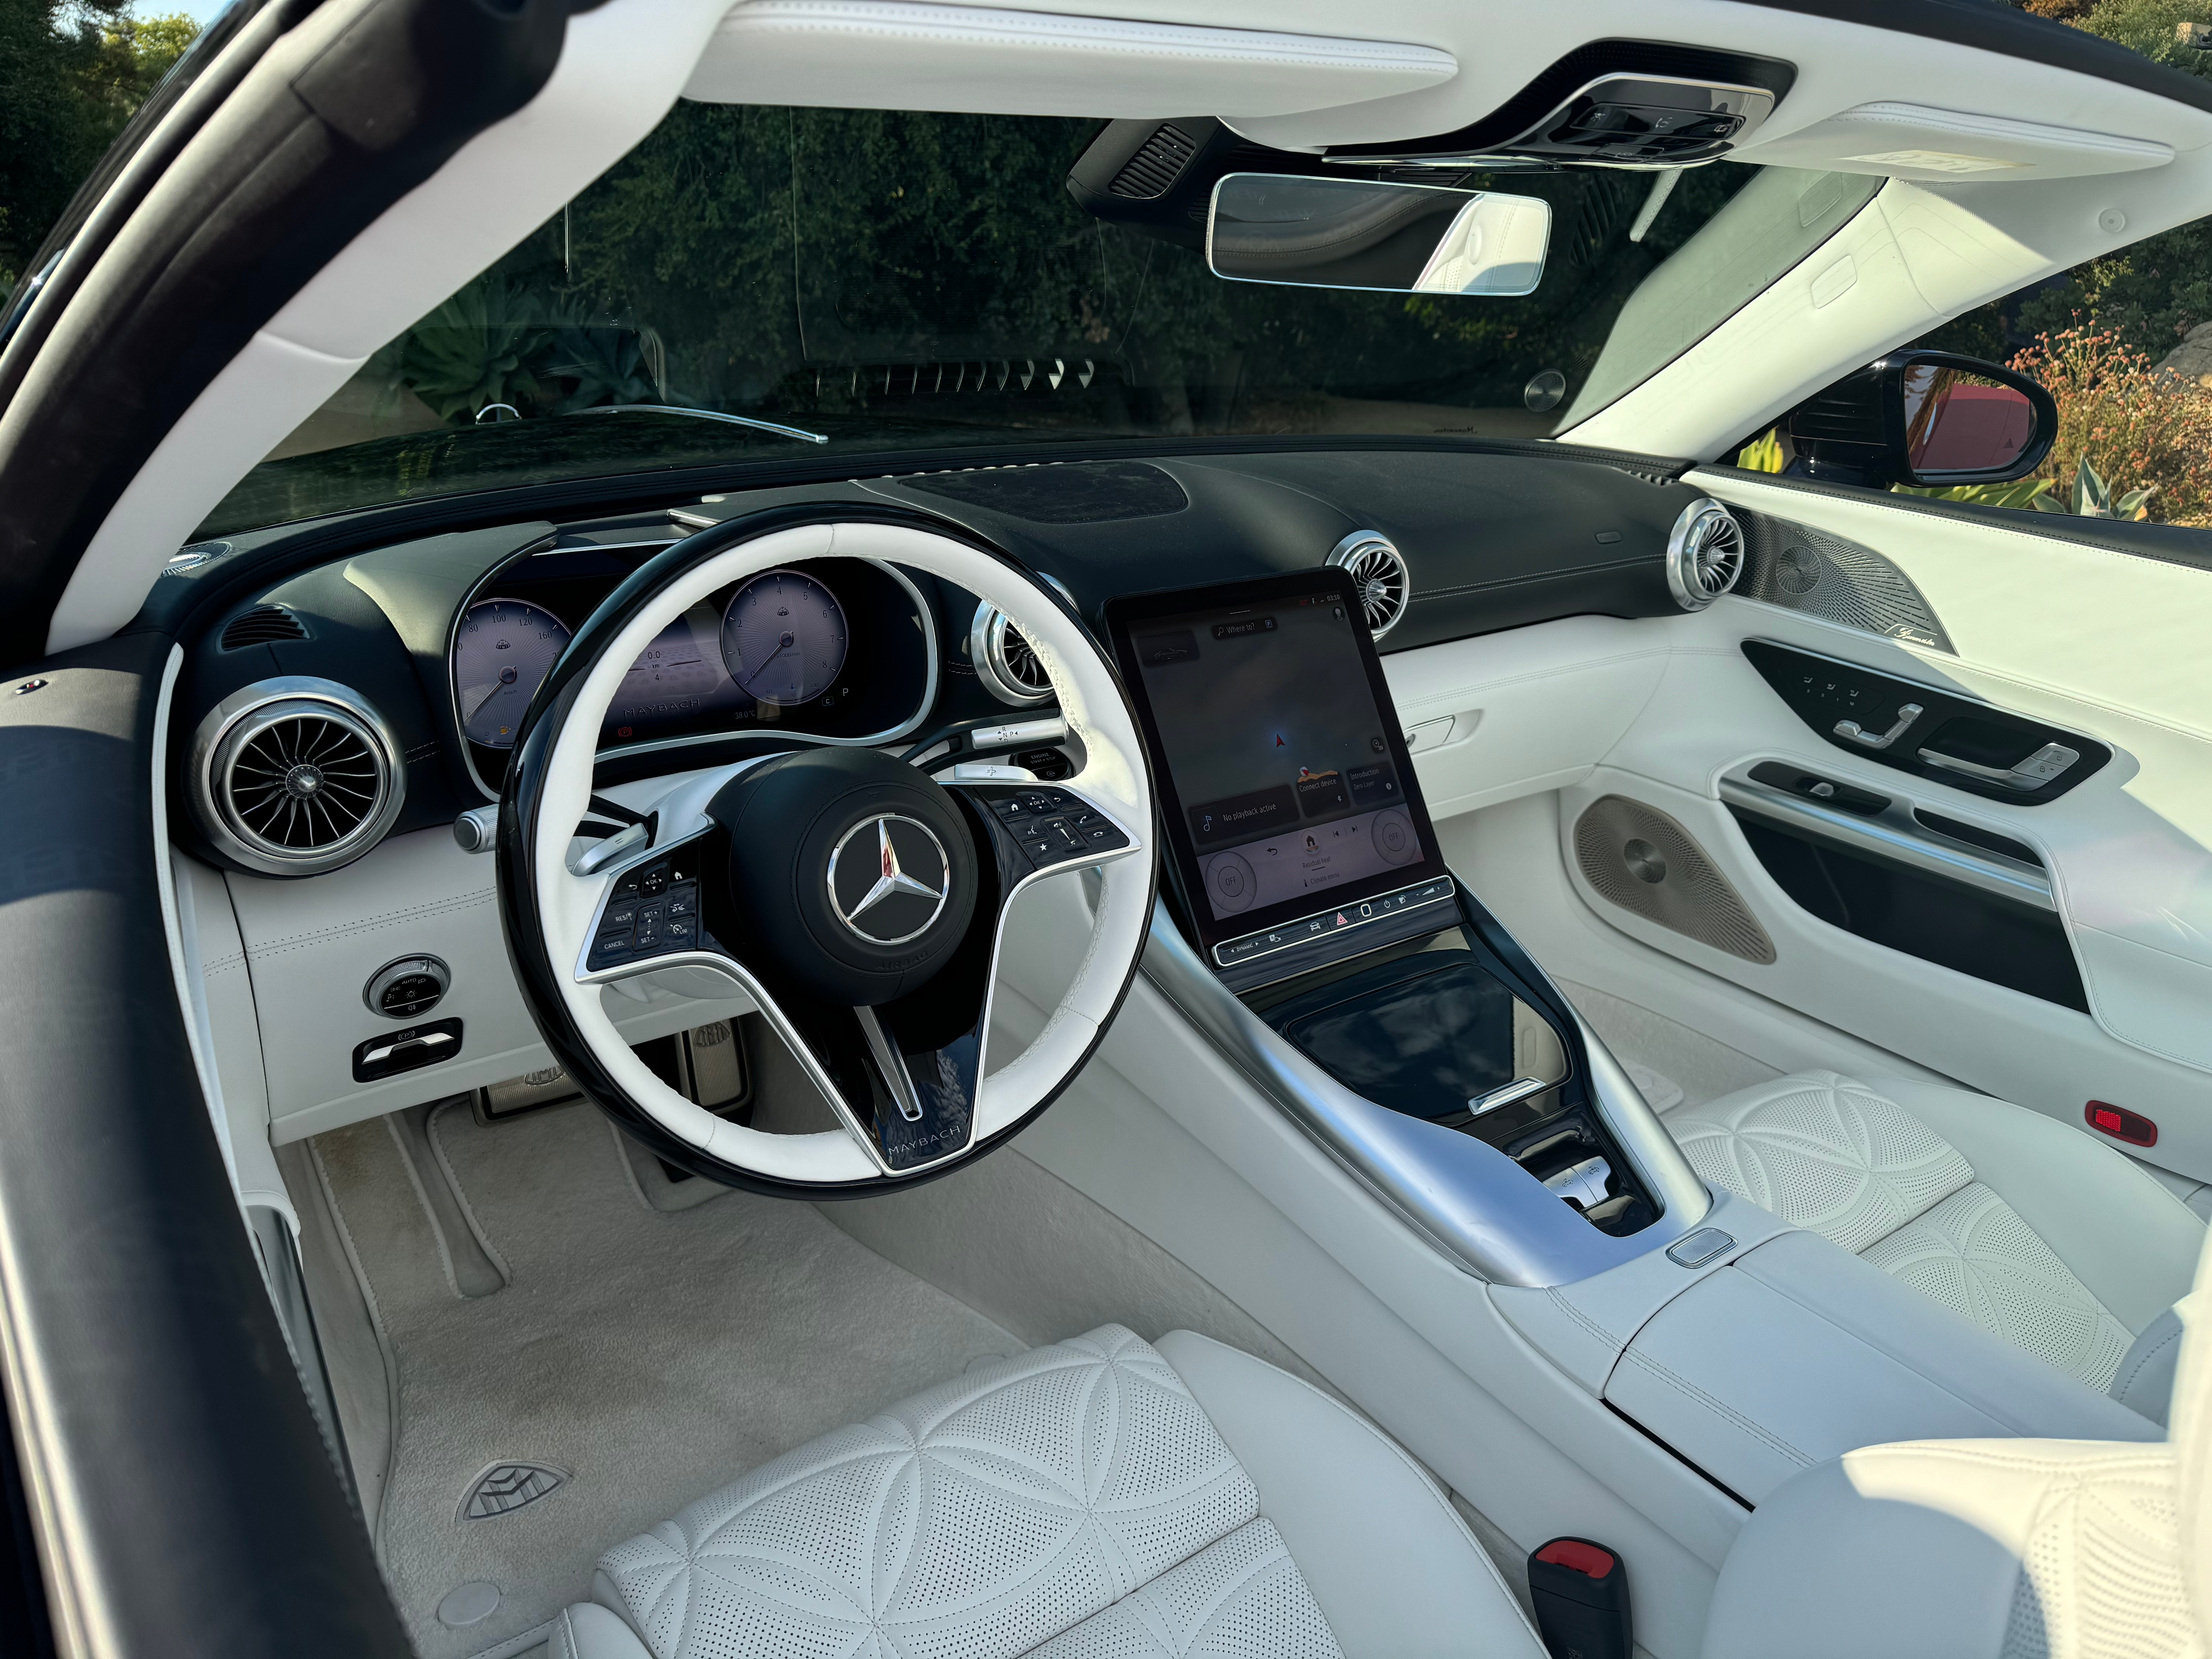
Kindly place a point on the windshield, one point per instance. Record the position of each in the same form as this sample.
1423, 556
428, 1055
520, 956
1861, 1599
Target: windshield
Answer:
862, 280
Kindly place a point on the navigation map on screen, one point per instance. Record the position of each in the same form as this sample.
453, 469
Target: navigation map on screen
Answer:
1277, 750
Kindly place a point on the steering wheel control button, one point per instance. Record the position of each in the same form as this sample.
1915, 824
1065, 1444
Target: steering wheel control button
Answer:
407, 1050
407, 988
653, 907
1700, 1248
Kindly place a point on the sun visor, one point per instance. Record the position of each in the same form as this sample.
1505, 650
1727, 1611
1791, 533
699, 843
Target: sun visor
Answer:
1938, 146
852, 54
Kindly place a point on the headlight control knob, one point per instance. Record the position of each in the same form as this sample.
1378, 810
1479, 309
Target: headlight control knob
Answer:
407, 988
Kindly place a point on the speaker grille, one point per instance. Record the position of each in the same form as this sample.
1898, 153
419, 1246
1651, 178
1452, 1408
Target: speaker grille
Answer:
1641, 859
1801, 569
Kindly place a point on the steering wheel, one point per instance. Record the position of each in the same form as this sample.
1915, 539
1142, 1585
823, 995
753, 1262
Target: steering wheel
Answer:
859, 903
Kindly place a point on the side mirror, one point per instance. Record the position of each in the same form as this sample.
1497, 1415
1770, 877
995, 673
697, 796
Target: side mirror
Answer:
1925, 418
1353, 234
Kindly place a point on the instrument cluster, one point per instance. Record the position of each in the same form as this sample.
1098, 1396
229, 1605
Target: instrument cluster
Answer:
835, 649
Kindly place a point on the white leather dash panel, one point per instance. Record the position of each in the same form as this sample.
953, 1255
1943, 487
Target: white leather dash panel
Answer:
1825, 1152
974, 1520
1243, 1595
1974, 1255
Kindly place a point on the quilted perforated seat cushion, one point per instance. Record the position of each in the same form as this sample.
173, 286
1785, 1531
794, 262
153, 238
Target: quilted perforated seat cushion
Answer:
1838, 1158
1076, 1500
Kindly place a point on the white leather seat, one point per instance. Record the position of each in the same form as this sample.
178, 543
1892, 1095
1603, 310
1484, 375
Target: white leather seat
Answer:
1097, 1496
2033, 1229
1988, 1549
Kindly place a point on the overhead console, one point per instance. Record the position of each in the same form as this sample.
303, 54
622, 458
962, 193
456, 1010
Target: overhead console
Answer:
1305, 872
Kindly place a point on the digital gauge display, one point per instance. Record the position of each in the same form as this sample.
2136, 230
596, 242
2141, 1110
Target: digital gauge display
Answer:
677, 679
784, 638
502, 655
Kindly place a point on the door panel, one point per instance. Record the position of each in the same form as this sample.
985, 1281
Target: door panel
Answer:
2085, 639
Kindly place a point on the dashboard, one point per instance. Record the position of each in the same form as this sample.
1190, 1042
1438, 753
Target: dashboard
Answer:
839, 650
426, 649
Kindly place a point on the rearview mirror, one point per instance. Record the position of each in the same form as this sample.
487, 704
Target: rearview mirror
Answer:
1354, 233
1925, 418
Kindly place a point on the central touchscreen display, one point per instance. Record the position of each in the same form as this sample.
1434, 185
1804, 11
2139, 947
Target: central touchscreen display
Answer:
1286, 780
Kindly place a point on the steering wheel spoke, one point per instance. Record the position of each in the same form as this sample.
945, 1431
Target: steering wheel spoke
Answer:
859, 905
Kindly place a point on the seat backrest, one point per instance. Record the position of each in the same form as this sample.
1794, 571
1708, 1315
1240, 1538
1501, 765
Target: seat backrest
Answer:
2188, 1420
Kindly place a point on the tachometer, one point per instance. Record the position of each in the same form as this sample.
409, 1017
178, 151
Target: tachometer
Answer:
502, 655
784, 638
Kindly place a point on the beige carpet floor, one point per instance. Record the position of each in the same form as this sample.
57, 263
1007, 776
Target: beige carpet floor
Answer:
650, 1355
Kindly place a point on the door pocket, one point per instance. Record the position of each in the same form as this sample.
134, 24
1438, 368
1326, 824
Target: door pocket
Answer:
1966, 928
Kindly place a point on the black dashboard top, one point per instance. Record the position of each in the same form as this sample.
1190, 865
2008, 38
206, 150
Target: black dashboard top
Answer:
1491, 539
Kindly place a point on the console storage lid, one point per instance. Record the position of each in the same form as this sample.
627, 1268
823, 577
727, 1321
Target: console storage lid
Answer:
1798, 1351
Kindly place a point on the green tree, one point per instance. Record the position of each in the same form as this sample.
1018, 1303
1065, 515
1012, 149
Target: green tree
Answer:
72, 73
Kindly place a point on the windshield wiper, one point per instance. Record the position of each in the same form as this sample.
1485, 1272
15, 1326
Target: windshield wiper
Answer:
705, 415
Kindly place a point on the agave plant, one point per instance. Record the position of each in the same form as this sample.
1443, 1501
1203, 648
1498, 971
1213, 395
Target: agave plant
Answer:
2092, 499
477, 350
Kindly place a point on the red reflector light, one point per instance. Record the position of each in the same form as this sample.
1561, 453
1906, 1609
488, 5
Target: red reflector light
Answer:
2120, 1123
1585, 1558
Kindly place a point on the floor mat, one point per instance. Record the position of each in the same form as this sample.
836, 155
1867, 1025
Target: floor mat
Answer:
642, 1357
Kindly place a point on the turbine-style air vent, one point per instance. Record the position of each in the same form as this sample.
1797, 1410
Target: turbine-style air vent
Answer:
1158, 162
295, 776
1704, 554
261, 625
1378, 572
1005, 662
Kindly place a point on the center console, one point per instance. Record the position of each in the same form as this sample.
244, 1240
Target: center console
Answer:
1303, 869
1310, 930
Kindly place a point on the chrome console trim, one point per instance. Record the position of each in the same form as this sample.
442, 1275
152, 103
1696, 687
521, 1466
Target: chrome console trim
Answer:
1894, 834
1479, 1209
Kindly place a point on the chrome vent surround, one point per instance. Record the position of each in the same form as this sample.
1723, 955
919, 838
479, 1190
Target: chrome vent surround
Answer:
1005, 662
1704, 554
1378, 572
295, 776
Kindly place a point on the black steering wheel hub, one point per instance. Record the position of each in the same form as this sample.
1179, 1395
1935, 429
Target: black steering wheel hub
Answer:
858, 876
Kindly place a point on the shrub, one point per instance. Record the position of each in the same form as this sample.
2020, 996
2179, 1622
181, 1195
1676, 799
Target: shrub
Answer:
2136, 428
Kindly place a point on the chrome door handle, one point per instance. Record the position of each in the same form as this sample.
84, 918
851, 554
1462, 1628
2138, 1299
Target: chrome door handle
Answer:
2038, 769
1852, 732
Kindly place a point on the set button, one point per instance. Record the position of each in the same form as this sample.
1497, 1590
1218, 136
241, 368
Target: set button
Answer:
662, 915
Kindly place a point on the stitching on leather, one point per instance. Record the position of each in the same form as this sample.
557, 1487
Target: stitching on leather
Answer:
288, 942
909, 23
2122, 1384
1583, 1319
1720, 1409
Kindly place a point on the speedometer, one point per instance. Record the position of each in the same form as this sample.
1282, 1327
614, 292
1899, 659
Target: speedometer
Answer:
784, 638
501, 654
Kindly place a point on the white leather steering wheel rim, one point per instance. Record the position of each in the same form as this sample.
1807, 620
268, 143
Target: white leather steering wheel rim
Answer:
549, 792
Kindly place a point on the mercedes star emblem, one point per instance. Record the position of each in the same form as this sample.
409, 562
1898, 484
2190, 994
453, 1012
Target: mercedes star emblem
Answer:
882, 900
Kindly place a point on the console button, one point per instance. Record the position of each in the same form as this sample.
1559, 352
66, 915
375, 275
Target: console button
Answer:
655, 880
1009, 808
